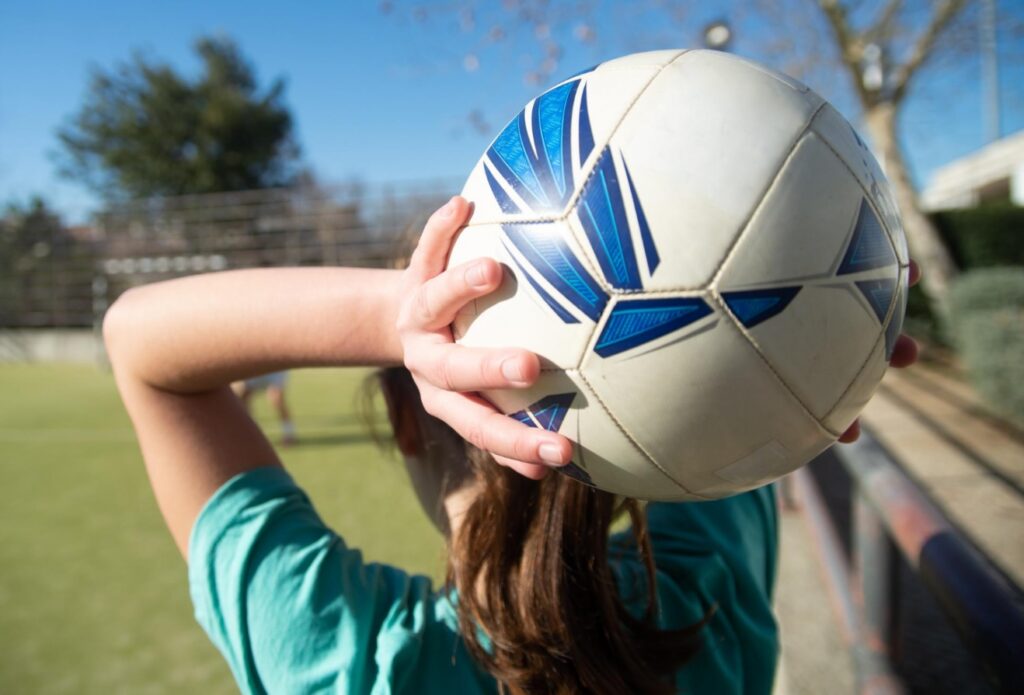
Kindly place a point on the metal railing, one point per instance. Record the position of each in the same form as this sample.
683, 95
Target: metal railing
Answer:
892, 516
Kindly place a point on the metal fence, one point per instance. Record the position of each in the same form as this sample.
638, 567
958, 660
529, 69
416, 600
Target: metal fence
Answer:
68, 280
887, 527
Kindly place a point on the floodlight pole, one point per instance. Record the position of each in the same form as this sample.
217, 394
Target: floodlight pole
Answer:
989, 69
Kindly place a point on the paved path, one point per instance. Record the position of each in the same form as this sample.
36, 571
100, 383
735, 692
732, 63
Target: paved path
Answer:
814, 657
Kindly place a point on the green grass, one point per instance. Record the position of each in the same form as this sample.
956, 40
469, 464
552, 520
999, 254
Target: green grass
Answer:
93, 594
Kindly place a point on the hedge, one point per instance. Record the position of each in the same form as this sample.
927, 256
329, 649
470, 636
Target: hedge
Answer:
987, 289
982, 237
987, 321
920, 321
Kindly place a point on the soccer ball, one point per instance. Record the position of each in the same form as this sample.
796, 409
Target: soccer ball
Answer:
708, 261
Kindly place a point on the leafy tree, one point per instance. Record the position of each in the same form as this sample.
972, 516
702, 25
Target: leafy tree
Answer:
26, 229
146, 130
44, 272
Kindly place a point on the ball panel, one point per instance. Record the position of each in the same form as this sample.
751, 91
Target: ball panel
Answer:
859, 392
802, 228
646, 59
792, 83
477, 190
611, 226
705, 402
681, 157
841, 331
527, 311
851, 148
539, 159
604, 457
608, 94
634, 325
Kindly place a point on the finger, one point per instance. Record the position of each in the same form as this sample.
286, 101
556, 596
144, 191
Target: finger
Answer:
440, 298
432, 249
481, 425
915, 273
456, 368
527, 470
904, 352
852, 433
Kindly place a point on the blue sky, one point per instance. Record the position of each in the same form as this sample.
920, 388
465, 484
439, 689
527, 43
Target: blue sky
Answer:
378, 95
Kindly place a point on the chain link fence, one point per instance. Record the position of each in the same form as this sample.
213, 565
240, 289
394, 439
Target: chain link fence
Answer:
66, 278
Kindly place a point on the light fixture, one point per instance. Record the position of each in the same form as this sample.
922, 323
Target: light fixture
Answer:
717, 35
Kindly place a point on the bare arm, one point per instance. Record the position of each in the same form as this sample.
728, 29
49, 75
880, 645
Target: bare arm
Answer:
176, 346
197, 333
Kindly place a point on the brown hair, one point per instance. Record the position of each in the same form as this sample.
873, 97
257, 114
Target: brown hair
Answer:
538, 605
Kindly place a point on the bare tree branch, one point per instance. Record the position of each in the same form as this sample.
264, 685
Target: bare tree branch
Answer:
882, 27
849, 45
922, 48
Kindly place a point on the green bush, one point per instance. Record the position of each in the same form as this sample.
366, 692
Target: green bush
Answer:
920, 321
992, 346
987, 322
983, 237
984, 290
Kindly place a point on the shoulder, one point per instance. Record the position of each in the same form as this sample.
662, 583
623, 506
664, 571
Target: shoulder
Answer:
743, 529
715, 557
294, 609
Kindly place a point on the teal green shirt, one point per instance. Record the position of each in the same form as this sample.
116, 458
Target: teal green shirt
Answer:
295, 610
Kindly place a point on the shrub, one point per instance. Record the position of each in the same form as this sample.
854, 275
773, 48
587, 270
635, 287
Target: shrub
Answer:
987, 321
920, 321
982, 237
984, 290
992, 346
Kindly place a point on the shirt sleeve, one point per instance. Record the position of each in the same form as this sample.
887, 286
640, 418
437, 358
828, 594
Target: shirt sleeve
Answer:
715, 556
294, 610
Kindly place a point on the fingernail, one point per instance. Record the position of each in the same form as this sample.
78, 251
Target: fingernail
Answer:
449, 208
512, 370
476, 276
550, 454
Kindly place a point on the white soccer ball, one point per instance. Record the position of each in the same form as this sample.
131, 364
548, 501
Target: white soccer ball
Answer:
708, 261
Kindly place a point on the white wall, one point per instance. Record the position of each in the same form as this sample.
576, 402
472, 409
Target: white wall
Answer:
51, 345
1017, 185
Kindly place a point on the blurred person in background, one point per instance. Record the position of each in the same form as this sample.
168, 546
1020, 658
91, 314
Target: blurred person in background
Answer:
274, 384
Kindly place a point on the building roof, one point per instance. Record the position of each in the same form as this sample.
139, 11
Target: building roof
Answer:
966, 181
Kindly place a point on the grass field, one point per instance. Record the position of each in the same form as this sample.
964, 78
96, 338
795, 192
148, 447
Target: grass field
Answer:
93, 595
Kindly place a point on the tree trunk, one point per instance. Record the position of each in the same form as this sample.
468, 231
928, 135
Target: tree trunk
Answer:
926, 246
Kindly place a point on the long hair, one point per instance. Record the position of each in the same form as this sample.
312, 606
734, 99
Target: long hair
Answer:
538, 606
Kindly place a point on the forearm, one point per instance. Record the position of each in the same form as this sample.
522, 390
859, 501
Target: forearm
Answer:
197, 333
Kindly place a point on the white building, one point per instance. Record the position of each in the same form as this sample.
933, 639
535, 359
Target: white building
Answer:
995, 172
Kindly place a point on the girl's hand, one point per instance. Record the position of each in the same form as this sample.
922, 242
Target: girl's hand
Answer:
904, 354
449, 375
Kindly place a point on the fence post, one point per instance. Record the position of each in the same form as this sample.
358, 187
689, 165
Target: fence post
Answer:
100, 302
875, 569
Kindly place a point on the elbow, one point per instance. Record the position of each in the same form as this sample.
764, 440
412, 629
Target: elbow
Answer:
118, 328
